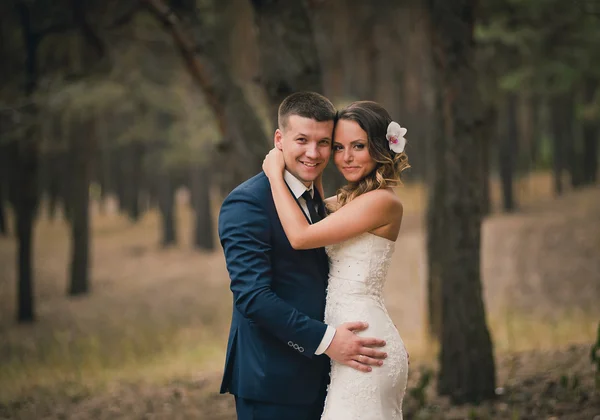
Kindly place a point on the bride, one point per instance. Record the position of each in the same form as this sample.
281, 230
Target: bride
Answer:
359, 237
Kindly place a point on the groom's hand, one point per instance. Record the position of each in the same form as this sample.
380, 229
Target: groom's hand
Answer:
354, 351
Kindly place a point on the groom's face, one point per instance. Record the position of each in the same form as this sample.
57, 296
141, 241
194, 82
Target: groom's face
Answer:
306, 146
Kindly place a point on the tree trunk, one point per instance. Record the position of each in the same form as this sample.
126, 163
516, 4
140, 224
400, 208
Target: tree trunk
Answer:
23, 194
288, 55
508, 152
166, 205
117, 163
104, 167
196, 35
25, 217
467, 372
289, 60
591, 132
559, 141
573, 150
83, 147
485, 136
3, 189
200, 189
536, 132
132, 170
54, 182
24, 185
330, 24
435, 234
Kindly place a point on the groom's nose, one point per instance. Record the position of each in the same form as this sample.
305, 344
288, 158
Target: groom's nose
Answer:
312, 151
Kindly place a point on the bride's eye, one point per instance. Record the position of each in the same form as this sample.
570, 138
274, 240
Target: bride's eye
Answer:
337, 147
359, 146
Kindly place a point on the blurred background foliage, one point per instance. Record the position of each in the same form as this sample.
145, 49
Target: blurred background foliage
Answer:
127, 117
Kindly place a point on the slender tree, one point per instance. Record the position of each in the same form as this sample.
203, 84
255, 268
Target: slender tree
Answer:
200, 187
507, 153
25, 166
82, 142
591, 132
3, 190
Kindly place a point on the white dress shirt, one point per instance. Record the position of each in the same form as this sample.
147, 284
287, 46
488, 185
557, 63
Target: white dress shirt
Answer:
298, 188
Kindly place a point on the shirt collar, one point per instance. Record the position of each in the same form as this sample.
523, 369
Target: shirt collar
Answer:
297, 187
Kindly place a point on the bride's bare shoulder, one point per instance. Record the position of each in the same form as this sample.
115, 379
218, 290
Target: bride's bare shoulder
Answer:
384, 195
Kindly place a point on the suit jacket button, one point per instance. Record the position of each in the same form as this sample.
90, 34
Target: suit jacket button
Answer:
290, 343
296, 346
301, 349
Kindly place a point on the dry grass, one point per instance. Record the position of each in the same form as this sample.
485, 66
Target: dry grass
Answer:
157, 316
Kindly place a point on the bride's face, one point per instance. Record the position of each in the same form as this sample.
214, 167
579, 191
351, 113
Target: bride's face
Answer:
350, 151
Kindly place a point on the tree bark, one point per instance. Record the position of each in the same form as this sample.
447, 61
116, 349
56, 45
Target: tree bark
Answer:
83, 147
24, 196
508, 153
3, 189
560, 138
200, 189
591, 132
289, 60
535, 104
132, 170
467, 372
436, 152
571, 144
196, 34
288, 54
166, 205
54, 180
24, 188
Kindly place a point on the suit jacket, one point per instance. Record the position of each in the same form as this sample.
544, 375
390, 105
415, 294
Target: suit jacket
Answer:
278, 303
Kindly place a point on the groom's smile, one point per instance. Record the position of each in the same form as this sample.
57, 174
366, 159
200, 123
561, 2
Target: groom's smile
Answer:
306, 146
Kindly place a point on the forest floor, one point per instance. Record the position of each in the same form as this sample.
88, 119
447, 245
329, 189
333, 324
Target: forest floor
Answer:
148, 342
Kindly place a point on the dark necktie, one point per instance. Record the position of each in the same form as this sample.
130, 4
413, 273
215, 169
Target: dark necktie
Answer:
312, 204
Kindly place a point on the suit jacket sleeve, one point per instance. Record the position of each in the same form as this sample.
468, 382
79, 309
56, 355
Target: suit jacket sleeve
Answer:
245, 233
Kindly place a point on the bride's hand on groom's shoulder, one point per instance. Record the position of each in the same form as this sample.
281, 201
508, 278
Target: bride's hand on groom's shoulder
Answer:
357, 352
273, 165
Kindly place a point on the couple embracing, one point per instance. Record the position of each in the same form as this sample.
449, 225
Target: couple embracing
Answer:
310, 335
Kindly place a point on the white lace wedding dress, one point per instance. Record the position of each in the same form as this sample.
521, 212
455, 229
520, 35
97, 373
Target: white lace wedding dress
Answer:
357, 272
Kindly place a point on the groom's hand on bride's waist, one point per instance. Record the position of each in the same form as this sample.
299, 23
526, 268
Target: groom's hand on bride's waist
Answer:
357, 352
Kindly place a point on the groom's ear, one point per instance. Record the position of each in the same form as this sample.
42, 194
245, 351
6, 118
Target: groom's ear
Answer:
278, 138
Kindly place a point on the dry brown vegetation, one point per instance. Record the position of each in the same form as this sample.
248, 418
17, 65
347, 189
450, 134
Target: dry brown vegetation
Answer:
149, 341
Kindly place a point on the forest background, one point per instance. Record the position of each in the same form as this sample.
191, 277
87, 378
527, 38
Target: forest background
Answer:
124, 124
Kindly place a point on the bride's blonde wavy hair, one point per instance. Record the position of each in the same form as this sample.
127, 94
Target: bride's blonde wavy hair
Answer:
374, 120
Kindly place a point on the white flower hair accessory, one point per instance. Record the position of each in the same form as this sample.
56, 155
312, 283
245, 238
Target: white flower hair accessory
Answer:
395, 136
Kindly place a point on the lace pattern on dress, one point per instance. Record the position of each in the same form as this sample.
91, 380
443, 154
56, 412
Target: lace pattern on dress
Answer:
358, 270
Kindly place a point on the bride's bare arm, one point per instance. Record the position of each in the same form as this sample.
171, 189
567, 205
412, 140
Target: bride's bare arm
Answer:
363, 214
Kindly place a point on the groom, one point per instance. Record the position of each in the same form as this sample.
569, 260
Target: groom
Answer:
276, 365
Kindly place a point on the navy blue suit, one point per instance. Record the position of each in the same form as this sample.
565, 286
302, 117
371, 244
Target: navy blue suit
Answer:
279, 303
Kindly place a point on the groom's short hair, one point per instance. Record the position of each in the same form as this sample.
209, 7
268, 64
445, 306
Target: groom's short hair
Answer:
305, 104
